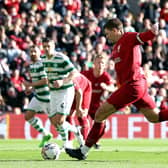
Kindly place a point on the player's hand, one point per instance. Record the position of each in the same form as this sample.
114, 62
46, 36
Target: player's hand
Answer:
26, 83
28, 90
81, 112
103, 85
58, 83
155, 28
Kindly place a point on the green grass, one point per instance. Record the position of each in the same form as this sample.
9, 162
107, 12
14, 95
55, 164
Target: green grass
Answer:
122, 153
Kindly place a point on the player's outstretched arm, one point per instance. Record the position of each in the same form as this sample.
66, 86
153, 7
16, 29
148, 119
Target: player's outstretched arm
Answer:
148, 35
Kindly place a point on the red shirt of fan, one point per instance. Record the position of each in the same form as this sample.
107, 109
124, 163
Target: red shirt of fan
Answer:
127, 56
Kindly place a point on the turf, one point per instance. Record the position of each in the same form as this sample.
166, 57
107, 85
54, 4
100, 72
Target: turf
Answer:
122, 153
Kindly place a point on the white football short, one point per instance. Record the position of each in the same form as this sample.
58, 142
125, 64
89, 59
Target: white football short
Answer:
36, 105
61, 101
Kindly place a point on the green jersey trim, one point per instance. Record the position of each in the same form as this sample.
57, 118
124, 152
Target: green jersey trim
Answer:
63, 87
64, 114
42, 100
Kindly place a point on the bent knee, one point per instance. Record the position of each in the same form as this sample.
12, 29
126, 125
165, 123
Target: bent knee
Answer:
104, 112
57, 120
153, 120
29, 115
152, 115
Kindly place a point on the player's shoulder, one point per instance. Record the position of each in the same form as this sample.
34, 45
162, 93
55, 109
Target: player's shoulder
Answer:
106, 74
128, 38
89, 71
129, 34
82, 77
60, 55
37, 63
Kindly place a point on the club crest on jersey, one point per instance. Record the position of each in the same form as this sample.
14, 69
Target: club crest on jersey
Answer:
62, 105
117, 59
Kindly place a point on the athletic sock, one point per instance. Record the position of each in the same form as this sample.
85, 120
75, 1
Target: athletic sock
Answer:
84, 123
85, 150
163, 115
70, 119
38, 125
64, 130
95, 134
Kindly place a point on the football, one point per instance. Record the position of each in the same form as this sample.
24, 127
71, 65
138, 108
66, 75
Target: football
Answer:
50, 151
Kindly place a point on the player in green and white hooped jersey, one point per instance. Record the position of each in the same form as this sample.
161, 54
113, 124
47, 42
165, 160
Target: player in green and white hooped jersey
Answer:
40, 102
60, 72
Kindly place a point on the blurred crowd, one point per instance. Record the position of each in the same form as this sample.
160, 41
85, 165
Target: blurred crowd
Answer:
76, 26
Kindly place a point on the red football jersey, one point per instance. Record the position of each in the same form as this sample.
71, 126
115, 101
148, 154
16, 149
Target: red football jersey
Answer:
97, 90
127, 56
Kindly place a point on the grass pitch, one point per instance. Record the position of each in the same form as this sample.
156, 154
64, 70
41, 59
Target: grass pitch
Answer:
122, 153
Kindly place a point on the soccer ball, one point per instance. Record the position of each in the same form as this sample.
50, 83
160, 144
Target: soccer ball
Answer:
50, 151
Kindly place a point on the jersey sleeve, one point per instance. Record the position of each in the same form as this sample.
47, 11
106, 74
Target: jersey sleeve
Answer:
68, 66
108, 79
144, 37
139, 38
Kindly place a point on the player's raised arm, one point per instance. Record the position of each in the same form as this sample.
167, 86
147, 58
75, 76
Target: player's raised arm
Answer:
148, 35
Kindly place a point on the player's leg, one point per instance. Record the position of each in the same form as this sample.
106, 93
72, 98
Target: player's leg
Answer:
58, 120
70, 118
63, 127
71, 135
91, 115
83, 118
147, 106
124, 96
60, 110
155, 115
85, 125
95, 133
33, 107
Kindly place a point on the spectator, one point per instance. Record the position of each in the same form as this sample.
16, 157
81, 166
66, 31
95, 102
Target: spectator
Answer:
3, 106
101, 82
163, 12
13, 101
151, 10
17, 80
162, 94
164, 104
74, 60
24, 23
67, 38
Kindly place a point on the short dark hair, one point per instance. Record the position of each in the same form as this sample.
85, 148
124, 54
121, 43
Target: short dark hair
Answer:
113, 23
46, 40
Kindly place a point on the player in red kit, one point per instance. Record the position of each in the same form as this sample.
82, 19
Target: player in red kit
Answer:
81, 104
133, 86
101, 81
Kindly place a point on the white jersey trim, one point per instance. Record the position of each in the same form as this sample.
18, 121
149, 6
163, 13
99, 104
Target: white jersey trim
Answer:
138, 38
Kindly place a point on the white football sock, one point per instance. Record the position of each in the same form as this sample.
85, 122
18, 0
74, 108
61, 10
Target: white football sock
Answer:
85, 149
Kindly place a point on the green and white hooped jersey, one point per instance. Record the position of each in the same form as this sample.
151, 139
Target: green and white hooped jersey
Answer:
58, 67
37, 73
